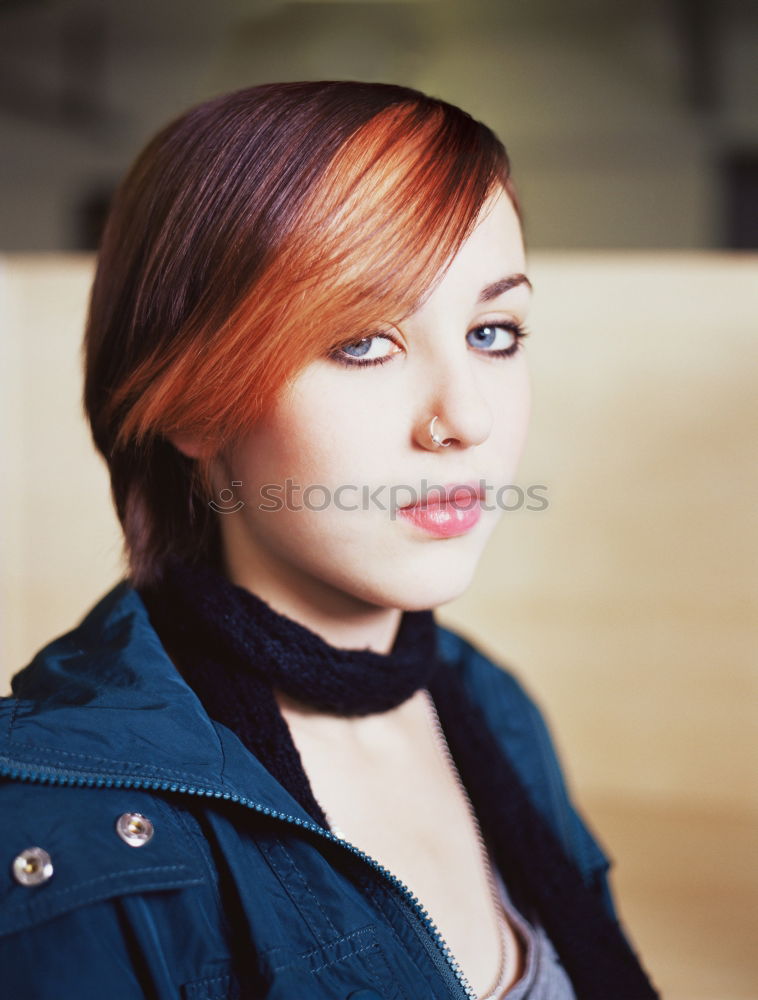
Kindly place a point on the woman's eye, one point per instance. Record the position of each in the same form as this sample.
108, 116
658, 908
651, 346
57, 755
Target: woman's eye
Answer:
498, 339
373, 350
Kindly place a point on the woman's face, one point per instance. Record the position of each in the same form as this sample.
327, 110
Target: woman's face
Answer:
323, 475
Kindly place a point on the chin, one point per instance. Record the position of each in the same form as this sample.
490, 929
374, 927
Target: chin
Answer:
421, 590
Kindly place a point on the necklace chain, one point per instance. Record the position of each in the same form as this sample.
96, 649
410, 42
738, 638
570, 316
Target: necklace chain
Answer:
493, 992
436, 726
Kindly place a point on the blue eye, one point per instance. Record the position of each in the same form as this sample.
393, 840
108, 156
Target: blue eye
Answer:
484, 337
361, 353
365, 352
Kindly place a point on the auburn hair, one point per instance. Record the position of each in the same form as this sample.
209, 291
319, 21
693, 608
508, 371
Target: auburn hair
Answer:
252, 235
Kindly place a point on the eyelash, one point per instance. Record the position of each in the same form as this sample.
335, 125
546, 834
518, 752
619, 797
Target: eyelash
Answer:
517, 329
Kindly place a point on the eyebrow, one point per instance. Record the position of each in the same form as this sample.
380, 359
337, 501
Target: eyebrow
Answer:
501, 286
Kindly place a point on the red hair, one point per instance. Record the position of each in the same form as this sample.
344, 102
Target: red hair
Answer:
251, 236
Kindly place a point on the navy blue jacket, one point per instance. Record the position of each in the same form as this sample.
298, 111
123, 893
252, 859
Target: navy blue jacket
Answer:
226, 878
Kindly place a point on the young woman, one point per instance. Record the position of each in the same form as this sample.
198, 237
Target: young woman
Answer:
258, 767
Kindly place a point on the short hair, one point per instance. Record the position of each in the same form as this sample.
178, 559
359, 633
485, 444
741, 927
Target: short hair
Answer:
252, 234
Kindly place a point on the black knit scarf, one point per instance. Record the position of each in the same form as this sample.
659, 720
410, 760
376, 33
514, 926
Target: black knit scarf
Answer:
233, 649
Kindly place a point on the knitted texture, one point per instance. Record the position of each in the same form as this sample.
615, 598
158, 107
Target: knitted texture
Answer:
233, 649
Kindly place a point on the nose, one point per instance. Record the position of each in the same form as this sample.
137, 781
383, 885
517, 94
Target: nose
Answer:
455, 397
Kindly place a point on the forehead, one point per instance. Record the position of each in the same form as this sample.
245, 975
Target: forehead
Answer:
497, 231
493, 251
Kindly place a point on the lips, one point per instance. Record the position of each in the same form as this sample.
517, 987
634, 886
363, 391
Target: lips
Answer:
447, 511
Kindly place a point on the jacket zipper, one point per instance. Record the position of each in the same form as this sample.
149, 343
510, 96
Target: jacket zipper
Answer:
452, 769
450, 970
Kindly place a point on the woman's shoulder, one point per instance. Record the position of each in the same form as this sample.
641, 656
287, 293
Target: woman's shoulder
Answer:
522, 729
102, 706
505, 698
482, 673
112, 634
81, 840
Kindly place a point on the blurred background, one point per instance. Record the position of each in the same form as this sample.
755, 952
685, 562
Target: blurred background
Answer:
631, 124
628, 606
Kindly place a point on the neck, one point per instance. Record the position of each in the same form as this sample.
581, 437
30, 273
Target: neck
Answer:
341, 619
203, 615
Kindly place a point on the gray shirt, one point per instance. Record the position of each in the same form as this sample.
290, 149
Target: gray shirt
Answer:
543, 978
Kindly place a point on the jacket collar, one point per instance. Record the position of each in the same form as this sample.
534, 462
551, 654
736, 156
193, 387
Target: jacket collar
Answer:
104, 705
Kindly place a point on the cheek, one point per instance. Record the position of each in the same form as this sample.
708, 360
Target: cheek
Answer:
326, 433
523, 403
512, 411
300, 450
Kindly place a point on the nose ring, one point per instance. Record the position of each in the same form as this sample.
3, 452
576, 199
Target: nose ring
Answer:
436, 438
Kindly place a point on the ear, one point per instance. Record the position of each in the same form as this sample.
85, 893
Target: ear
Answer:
190, 445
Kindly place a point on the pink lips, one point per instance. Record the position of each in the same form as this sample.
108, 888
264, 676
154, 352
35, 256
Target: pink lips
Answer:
445, 513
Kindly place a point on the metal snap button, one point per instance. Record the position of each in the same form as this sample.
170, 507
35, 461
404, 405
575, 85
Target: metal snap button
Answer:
32, 866
134, 829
